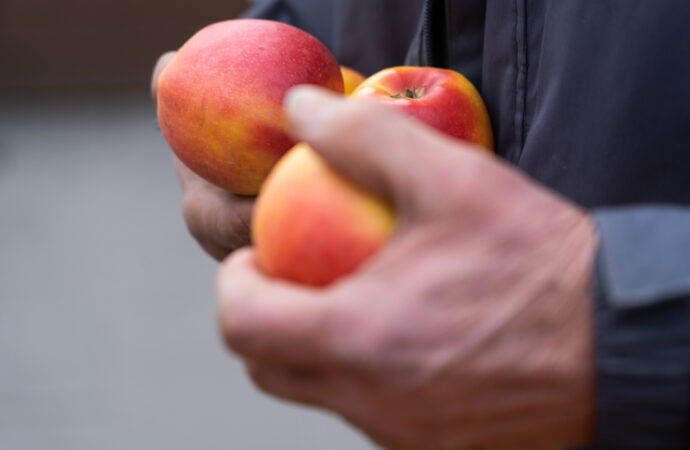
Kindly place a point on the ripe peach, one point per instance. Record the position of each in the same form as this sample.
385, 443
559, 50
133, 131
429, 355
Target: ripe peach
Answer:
311, 225
351, 78
441, 98
220, 100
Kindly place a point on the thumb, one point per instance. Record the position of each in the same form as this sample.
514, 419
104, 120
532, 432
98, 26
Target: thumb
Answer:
161, 64
379, 149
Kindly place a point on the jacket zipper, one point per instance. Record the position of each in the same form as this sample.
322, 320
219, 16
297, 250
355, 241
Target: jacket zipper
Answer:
426, 38
434, 34
521, 47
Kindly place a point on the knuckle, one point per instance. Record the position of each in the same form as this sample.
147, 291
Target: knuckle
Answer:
387, 346
360, 338
191, 211
259, 377
262, 378
233, 228
345, 334
384, 346
216, 220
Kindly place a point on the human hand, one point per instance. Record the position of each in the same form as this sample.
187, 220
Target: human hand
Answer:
217, 219
161, 63
470, 329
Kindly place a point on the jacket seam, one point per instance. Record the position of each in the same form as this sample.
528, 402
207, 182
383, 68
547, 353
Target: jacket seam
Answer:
514, 97
520, 99
525, 46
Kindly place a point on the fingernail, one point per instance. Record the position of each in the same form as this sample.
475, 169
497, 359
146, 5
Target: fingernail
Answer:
307, 106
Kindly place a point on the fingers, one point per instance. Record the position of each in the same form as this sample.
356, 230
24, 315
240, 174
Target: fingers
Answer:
215, 251
162, 62
297, 385
271, 321
218, 220
186, 176
383, 151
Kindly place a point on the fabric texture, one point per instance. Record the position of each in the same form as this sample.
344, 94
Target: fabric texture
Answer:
365, 35
643, 328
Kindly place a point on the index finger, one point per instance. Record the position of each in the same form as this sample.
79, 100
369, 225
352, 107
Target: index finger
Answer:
271, 320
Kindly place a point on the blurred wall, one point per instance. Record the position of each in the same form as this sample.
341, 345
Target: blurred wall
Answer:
103, 43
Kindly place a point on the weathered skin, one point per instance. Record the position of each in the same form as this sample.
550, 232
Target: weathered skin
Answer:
313, 226
220, 100
446, 100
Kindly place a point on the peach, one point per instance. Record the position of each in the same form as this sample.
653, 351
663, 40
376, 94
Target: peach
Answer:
351, 78
311, 225
443, 99
220, 100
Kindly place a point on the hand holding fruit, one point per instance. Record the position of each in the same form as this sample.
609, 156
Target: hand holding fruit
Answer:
220, 97
217, 108
471, 328
220, 108
485, 276
310, 225
217, 219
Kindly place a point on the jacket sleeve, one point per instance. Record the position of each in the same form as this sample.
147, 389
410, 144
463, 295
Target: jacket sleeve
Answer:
643, 328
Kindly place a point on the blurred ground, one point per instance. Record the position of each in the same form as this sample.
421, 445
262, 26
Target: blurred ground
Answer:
107, 331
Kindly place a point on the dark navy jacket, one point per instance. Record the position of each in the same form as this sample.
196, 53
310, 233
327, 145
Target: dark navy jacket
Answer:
592, 99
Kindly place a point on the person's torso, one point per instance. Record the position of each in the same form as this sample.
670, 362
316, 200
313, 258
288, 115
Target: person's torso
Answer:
591, 98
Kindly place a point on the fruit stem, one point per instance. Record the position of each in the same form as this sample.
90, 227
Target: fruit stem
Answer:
414, 93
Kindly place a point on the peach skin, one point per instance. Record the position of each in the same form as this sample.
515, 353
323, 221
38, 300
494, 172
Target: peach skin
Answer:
311, 225
220, 100
351, 79
443, 99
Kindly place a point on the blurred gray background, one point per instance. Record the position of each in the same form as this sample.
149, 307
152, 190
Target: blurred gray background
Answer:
108, 337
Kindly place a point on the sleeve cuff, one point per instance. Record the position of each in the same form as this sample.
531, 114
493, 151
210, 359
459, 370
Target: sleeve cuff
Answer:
642, 288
